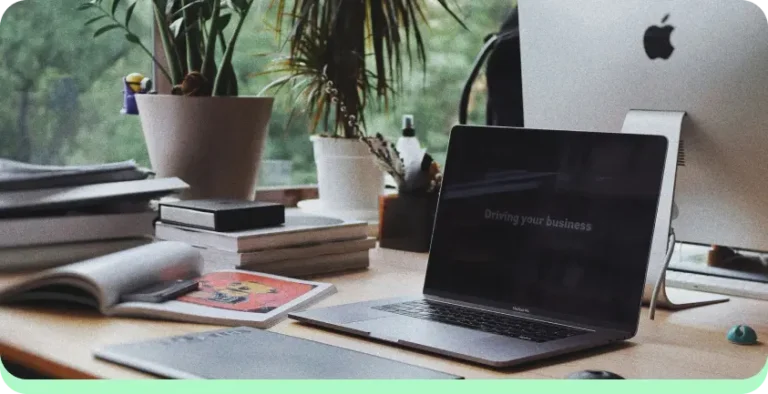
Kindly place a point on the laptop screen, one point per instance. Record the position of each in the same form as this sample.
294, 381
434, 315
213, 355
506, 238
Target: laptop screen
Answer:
554, 223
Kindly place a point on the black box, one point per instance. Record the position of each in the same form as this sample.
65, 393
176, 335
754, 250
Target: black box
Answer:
223, 215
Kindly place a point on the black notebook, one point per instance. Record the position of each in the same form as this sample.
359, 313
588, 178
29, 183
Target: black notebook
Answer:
223, 215
248, 353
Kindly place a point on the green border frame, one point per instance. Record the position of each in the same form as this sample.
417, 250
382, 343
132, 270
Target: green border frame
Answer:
386, 387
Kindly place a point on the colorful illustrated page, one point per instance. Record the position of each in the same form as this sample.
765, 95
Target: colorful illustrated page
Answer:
245, 292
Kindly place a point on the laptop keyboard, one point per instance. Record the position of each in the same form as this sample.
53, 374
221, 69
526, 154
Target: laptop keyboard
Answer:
494, 323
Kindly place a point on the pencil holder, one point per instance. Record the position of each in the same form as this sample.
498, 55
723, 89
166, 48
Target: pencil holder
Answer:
406, 221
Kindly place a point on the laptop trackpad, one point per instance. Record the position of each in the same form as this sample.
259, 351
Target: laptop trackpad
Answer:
419, 331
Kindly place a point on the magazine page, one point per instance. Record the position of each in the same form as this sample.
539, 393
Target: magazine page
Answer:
234, 297
106, 278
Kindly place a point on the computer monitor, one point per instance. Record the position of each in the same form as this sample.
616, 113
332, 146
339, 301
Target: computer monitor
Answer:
587, 63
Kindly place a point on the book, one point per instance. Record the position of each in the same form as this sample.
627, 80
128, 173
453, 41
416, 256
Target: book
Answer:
313, 266
222, 215
299, 229
30, 258
251, 259
226, 298
21, 232
16, 175
71, 198
245, 353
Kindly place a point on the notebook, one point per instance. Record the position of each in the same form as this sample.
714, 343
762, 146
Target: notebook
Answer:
299, 229
40, 257
48, 230
302, 252
246, 353
15, 175
223, 215
75, 197
315, 266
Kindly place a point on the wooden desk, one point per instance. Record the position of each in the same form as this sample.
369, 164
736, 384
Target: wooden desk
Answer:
687, 344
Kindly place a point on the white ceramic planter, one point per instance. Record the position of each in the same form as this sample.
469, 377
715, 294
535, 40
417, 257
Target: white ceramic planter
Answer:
214, 144
349, 180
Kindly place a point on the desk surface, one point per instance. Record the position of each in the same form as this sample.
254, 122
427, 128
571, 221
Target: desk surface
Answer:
685, 344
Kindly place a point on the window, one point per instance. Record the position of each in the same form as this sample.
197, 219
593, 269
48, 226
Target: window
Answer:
64, 95
433, 99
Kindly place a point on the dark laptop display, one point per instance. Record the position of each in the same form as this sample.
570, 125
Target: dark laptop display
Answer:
550, 223
541, 248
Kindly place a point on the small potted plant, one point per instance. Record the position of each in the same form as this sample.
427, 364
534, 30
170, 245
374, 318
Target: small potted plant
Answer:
343, 55
406, 219
202, 132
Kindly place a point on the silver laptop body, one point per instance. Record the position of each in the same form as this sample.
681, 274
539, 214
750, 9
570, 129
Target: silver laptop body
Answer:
546, 230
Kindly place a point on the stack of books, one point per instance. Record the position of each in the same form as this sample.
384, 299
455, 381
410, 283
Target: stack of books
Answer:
52, 216
303, 245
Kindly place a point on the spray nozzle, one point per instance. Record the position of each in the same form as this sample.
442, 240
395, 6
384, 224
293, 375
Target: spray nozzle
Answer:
408, 130
408, 122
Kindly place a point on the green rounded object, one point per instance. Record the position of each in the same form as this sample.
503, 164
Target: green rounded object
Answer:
742, 335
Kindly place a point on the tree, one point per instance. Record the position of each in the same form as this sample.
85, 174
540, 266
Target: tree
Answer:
433, 99
48, 59
46, 52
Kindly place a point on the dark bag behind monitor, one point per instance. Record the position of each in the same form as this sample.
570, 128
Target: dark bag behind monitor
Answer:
504, 76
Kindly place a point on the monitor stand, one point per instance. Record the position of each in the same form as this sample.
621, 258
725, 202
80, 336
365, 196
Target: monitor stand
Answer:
656, 294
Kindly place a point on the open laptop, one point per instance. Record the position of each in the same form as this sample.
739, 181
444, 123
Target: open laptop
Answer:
540, 247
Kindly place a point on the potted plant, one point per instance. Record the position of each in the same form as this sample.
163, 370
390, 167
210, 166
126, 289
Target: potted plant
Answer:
201, 132
331, 42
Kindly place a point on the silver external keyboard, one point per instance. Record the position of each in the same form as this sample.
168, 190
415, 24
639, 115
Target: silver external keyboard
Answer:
718, 285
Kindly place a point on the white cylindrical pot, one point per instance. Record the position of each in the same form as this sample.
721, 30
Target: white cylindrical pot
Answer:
214, 144
347, 175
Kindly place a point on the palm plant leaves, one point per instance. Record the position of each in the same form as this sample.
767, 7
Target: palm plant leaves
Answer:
327, 38
335, 38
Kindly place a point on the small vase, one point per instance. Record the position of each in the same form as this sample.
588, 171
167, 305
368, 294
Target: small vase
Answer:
349, 181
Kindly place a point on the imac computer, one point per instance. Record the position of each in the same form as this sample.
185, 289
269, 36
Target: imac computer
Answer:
586, 64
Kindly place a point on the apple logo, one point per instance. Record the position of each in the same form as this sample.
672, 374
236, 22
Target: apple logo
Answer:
658, 44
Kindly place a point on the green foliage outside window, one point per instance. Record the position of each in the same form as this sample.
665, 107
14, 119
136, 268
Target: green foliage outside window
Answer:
63, 89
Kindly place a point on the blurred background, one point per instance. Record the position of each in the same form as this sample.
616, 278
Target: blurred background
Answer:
63, 89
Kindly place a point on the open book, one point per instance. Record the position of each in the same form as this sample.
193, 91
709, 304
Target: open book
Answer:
228, 298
